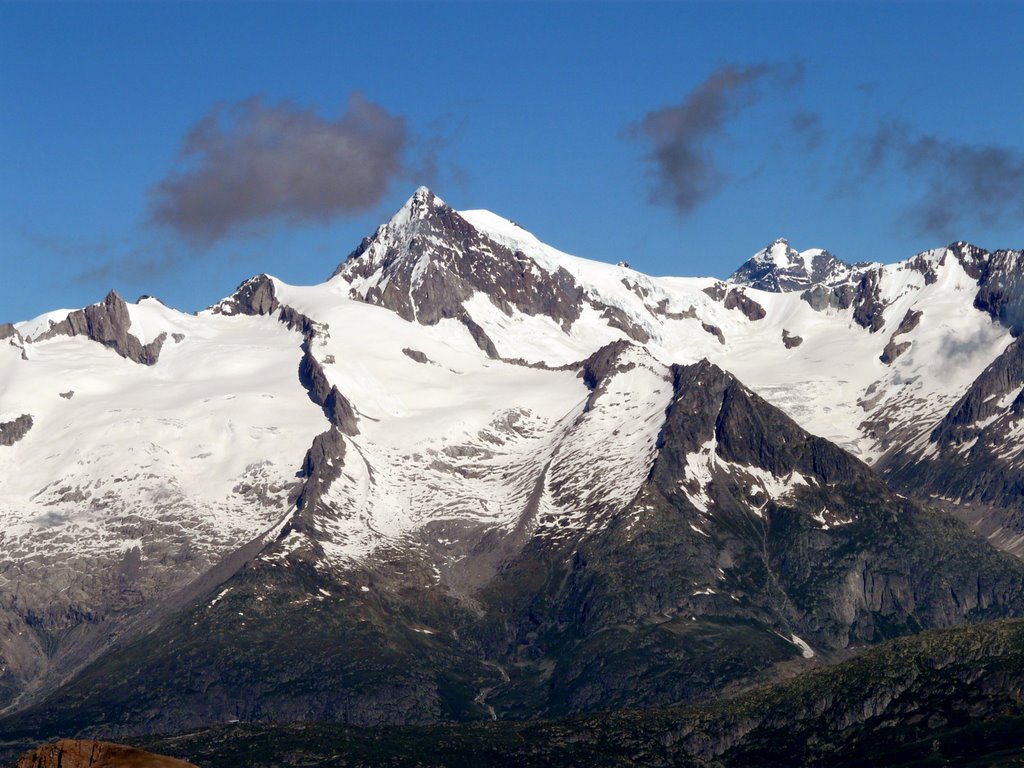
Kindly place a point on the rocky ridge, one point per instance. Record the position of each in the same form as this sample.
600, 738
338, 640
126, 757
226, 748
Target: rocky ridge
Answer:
107, 323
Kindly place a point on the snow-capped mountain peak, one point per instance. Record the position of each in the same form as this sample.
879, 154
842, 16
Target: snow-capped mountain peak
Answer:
459, 391
781, 268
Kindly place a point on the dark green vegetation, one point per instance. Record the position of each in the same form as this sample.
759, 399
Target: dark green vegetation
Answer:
948, 697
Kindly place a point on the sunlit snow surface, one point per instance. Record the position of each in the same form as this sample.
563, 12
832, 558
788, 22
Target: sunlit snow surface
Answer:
182, 461
831, 384
202, 449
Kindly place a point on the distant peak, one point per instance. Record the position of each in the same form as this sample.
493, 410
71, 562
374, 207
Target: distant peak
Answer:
423, 201
112, 297
779, 268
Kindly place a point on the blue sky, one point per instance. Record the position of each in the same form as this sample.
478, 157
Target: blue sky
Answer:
681, 137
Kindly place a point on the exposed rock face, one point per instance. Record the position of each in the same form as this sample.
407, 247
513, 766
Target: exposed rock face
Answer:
428, 261
714, 330
255, 296
1000, 283
69, 753
789, 340
12, 431
108, 323
894, 349
780, 268
770, 527
7, 331
600, 366
738, 299
981, 401
416, 355
323, 464
616, 318
822, 297
717, 291
336, 406
971, 457
867, 302
909, 322
483, 341
852, 501
425, 264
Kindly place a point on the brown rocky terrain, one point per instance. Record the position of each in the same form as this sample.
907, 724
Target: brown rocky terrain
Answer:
71, 753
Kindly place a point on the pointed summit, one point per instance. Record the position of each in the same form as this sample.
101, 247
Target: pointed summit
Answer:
781, 268
422, 203
429, 260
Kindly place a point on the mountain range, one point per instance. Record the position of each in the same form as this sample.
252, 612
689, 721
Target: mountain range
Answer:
471, 477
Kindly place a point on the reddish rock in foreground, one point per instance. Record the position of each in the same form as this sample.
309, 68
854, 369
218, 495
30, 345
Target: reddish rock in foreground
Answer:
70, 753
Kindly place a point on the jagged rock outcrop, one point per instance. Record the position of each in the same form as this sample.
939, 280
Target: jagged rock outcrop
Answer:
791, 341
337, 408
868, 306
12, 431
738, 299
717, 291
256, 296
322, 465
894, 348
415, 355
70, 753
714, 330
7, 331
108, 323
600, 366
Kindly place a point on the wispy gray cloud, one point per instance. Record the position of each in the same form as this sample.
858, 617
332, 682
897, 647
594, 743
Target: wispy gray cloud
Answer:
807, 126
251, 162
132, 263
684, 170
962, 184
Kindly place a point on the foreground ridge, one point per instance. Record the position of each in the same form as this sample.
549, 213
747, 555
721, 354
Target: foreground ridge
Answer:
943, 695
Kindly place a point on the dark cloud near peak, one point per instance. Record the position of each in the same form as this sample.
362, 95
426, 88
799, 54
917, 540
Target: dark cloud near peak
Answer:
251, 162
960, 184
683, 167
